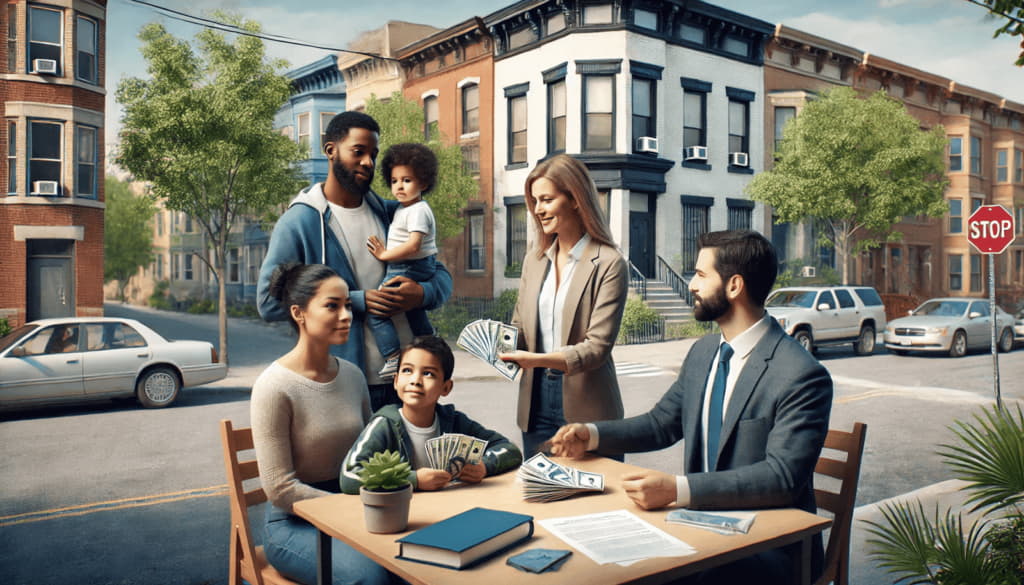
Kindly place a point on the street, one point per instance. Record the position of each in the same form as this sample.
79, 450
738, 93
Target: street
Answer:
110, 493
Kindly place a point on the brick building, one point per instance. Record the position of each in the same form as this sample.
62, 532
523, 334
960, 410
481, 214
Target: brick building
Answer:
51, 218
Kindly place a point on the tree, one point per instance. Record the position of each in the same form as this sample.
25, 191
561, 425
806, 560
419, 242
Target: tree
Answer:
199, 130
127, 235
1013, 12
401, 120
855, 167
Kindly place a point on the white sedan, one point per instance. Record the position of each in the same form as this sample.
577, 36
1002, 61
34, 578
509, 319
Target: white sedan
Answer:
80, 358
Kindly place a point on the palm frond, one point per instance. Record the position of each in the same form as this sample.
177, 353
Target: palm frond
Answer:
963, 556
904, 544
990, 457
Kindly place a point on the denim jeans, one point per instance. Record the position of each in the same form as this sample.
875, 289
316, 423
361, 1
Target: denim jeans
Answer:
383, 329
546, 414
290, 545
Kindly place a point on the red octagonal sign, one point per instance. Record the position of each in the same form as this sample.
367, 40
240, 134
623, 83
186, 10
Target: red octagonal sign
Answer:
990, 229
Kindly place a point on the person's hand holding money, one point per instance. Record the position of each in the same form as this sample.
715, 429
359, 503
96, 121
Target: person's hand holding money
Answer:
473, 473
429, 480
571, 441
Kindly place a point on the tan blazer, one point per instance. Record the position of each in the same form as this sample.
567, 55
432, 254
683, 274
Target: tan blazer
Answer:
590, 323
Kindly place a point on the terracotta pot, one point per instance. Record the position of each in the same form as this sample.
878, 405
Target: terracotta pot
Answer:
386, 512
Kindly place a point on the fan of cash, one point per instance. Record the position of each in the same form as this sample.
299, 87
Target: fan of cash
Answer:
546, 481
485, 339
452, 451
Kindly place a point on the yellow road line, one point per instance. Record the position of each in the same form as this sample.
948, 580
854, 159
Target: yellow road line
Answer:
118, 504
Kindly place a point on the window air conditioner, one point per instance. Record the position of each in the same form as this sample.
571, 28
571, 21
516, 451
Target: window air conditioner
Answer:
808, 272
44, 187
647, 144
739, 159
44, 66
695, 153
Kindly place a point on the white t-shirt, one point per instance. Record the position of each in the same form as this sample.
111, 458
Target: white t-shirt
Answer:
353, 226
417, 217
418, 437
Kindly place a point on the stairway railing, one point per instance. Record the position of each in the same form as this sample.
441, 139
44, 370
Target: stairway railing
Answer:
637, 281
680, 285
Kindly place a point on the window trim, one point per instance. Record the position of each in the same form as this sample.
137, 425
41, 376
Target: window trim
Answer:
959, 273
95, 46
959, 217
959, 155
462, 98
977, 278
12, 38
584, 114
553, 77
976, 155
481, 246
29, 158
429, 100
12, 156
309, 130
701, 89
1003, 170
511, 263
651, 74
512, 93
94, 163
323, 127
28, 38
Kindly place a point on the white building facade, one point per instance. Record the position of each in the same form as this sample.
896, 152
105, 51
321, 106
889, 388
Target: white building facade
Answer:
663, 104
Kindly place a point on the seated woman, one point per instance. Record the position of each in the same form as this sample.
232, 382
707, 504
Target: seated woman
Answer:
307, 409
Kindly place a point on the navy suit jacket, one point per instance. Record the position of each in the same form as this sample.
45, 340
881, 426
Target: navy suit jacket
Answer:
772, 434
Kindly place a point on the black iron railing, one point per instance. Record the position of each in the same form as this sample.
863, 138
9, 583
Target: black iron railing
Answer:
672, 278
637, 281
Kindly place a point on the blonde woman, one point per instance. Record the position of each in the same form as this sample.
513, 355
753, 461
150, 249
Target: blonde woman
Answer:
571, 297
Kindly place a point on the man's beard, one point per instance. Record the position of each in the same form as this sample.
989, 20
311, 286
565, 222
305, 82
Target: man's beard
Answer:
348, 179
710, 308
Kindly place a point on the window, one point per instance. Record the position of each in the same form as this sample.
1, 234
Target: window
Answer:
693, 34
302, 122
956, 145
1002, 165
12, 38
188, 224
597, 14
695, 223
85, 50
470, 109
187, 272
826, 298
517, 129
175, 266
85, 176
1018, 174
159, 266
521, 37
556, 116
599, 112
739, 126
736, 46
695, 94
158, 217
325, 121
556, 22
430, 117
975, 272
975, 155
12, 157
976, 202
255, 254
471, 158
515, 245
845, 298
643, 108
956, 272
476, 247
956, 216
740, 211
44, 36
645, 19
1020, 220
44, 159
234, 265
783, 114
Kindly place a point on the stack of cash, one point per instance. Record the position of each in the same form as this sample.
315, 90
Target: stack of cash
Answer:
547, 481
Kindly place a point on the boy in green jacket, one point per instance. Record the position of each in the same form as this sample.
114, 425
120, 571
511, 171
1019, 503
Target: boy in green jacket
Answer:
424, 376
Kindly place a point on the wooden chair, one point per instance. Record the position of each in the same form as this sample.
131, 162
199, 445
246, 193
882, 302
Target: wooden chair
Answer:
247, 560
841, 504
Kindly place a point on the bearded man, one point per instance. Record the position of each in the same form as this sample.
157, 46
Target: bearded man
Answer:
751, 404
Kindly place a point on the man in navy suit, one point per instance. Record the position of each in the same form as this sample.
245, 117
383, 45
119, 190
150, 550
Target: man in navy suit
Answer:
751, 404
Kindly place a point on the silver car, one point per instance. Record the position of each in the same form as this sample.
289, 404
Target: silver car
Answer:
72, 359
952, 325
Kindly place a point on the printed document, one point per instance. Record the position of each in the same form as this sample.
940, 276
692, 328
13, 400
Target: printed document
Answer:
616, 537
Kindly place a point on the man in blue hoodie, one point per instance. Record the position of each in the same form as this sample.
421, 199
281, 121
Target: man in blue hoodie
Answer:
329, 223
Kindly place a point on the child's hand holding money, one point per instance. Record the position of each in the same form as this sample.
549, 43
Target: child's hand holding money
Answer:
473, 473
429, 480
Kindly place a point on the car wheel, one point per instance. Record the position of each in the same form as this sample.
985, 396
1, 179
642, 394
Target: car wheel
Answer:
865, 344
805, 339
1006, 341
158, 387
958, 348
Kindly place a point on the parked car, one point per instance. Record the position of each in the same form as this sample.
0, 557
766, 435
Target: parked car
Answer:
63, 360
952, 325
829, 315
1018, 327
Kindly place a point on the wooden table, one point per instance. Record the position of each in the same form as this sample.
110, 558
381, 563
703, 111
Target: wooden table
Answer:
341, 516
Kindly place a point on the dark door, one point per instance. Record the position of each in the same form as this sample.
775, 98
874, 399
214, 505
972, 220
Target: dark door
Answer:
641, 241
50, 279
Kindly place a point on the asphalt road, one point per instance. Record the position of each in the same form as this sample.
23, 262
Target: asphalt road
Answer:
110, 493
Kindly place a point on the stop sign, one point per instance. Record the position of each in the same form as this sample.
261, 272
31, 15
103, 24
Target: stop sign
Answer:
990, 229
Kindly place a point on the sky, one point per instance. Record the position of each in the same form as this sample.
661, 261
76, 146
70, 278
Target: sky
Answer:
950, 38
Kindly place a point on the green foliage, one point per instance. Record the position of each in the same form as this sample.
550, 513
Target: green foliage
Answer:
790, 274
912, 546
1013, 13
692, 328
202, 307
385, 471
505, 305
243, 310
127, 235
449, 319
514, 270
5, 327
636, 318
401, 120
159, 298
855, 165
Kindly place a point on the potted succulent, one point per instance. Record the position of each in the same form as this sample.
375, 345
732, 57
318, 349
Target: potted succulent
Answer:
386, 492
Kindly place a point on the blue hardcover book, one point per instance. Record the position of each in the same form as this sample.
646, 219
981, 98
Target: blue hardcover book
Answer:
466, 538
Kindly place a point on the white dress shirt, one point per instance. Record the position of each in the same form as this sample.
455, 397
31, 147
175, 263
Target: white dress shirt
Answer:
551, 301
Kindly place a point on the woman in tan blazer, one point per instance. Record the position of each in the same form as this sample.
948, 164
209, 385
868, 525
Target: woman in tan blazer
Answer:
571, 297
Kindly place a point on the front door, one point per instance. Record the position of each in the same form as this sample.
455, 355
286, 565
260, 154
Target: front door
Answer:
50, 279
641, 241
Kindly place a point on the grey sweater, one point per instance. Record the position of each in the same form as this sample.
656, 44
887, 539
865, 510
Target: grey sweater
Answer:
303, 429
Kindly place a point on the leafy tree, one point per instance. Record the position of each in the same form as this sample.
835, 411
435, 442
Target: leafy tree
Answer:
401, 120
1013, 12
856, 167
199, 130
127, 235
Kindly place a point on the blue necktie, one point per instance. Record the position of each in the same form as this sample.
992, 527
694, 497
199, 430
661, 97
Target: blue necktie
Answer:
717, 402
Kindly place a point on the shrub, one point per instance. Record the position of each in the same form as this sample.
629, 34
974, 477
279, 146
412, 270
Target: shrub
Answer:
450, 319
245, 310
689, 329
202, 306
505, 305
637, 318
5, 327
159, 299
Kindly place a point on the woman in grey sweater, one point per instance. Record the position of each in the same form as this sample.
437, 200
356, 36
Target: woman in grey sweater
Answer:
307, 409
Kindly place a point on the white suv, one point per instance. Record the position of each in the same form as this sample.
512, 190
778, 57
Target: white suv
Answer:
829, 315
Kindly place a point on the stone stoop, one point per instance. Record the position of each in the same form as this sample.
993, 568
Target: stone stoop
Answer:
667, 302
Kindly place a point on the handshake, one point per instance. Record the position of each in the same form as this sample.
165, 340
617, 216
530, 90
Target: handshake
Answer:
570, 441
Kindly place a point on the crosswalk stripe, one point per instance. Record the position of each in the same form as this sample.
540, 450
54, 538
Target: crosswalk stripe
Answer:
638, 370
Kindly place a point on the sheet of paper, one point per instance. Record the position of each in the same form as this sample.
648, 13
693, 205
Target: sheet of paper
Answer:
616, 537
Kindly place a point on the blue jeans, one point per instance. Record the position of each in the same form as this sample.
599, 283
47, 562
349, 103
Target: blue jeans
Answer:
290, 545
546, 414
383, 329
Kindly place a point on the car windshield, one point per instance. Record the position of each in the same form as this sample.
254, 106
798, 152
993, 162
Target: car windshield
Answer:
9, 339
942, 308
792, 298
